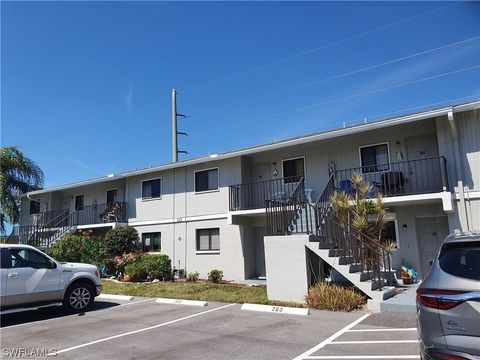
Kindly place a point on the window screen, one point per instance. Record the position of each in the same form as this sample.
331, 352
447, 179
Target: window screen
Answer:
293, 170
374, 158
206, 180
34, 207
151, 242
79, 202
112, 196
151, 189
208, 239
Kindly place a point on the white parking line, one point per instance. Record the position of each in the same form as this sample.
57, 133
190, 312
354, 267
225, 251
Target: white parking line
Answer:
139, 330
331, 338
115, 297
364, 357
373, 342
382, 330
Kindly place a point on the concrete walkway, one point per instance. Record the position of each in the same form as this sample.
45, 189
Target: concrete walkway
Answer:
404, 302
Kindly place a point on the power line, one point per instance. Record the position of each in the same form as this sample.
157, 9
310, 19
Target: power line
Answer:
362, 94
307, 52
345, 74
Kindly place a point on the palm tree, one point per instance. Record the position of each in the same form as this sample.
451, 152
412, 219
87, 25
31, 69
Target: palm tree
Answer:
18, 175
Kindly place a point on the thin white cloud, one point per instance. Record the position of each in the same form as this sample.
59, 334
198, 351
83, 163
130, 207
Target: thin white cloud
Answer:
80, 163
129, 99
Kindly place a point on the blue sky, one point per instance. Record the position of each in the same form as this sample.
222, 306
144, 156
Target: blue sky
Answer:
86, 86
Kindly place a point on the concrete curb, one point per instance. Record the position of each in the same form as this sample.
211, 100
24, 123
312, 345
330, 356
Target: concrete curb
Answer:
276, 309
115, 297
181, 302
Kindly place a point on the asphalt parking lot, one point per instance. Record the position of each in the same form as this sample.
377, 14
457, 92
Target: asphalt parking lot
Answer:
143, 329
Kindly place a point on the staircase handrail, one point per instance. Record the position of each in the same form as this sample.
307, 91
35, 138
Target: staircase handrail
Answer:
56, 217
367, 242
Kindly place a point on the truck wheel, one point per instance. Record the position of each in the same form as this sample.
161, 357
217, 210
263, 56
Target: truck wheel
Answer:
78, 297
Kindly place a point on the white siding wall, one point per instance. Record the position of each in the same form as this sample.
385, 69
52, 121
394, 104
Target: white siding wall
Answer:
342, 152
96, 193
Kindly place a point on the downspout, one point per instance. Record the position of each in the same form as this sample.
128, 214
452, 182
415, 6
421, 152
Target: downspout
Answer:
462, 208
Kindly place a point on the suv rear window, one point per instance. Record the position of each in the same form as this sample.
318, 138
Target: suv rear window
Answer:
461, 259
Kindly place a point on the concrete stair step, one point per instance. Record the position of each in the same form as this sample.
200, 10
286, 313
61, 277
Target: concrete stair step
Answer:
345, 260
366, 286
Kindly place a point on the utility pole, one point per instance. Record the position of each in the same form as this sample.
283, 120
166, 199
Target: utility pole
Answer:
175, 133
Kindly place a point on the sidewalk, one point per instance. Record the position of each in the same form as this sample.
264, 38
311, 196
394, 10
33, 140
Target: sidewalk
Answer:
404, 302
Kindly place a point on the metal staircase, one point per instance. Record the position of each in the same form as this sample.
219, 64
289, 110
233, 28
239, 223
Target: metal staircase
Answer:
362, 260
46, 230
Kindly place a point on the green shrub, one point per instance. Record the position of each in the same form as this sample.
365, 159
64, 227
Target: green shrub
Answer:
146, 267
158, 266
137, 270
122, 240
82, 248
68, 248
193, 276
121, 262
324, 296
215, 275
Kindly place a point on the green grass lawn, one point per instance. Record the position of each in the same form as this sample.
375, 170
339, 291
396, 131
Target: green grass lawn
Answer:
231, 293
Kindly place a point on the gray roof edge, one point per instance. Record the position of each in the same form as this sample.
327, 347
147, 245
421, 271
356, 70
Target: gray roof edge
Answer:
276, 145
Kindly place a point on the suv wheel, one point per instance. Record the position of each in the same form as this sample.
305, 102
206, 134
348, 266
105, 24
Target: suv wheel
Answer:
78, 297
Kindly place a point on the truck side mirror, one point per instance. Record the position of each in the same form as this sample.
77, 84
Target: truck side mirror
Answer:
51, 265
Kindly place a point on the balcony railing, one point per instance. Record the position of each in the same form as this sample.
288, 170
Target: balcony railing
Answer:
100, 213
43, 234
253, 195
409, 177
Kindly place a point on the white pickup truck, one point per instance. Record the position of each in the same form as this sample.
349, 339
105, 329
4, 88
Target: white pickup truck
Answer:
30, 278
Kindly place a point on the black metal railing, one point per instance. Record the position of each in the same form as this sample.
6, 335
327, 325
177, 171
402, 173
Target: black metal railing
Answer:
43, 234
295, 214
46, 217
253, 195
367, 255
290, 214
399, 178
100, 213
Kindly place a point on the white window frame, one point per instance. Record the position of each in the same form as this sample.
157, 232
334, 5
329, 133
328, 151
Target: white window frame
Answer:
152, 198
106, 194
206, 191
75, 201
370, 145
197, 251
304, 167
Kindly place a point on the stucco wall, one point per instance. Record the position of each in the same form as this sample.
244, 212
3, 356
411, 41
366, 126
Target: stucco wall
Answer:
179, 243
408, 240
286, 265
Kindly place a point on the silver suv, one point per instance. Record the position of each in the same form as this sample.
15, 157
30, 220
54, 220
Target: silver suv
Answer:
448, 301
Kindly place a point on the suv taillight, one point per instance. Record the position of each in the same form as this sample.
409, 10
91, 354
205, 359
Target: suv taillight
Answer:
439, 299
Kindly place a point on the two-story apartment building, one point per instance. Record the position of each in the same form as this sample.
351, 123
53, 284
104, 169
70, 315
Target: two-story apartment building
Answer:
217, 211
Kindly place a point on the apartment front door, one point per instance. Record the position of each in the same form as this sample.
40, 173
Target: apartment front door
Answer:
423, 175
431, 231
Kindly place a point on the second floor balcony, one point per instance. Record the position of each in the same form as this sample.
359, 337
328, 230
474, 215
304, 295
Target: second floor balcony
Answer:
93, 214
410, 177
